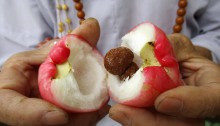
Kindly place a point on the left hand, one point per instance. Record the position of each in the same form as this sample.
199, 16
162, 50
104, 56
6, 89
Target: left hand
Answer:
20, 100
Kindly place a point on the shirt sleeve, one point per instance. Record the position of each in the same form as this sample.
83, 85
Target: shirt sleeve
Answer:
209, 24
23, 25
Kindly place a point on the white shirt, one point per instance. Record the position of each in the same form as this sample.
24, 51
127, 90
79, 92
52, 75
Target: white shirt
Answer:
23, 24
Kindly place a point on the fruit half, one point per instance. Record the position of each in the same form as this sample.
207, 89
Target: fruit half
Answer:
158, 69
73, 76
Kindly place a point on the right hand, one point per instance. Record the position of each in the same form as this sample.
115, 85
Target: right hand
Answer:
201, 95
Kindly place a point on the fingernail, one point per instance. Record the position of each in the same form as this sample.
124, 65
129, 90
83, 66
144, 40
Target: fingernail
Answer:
55, 118
120, 117
86, 20
82, 22
170, 105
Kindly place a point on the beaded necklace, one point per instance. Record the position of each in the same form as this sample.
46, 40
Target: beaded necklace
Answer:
63, 7
177, 28
181, 12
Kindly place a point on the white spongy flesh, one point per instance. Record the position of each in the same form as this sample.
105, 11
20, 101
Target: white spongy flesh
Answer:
127, 89
135, 40
138, 37
84, 87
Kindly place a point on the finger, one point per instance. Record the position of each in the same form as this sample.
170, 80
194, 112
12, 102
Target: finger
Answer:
22, 111
190, 101
103, 111
182, 46
196, 70
33, 57
89, 119
89, 30
130, 116
204, 52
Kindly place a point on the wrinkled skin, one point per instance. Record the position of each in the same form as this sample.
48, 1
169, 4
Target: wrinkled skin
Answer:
186, 105
201, 98
19, 89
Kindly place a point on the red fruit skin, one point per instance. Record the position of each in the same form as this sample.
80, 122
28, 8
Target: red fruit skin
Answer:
60, 53
157, 79
145, 98
47, 72
165, 55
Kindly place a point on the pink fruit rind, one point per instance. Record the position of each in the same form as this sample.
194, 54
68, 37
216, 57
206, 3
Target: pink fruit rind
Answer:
166, 76
165, 55
47, 72
158, 77
60, 52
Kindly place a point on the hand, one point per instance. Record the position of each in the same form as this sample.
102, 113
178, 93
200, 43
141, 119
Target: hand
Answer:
201, 95
20, 101
131, 116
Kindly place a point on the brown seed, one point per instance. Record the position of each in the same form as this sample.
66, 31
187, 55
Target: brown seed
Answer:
130, 71
117, 60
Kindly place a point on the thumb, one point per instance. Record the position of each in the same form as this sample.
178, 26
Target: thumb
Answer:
22, 111
182, 47
190, 101
89, 30
130, 116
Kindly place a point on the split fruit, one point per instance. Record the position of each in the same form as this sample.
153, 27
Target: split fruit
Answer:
155, 71
73, 76
77, 78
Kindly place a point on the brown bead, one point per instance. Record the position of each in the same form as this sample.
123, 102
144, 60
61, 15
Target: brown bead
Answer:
179, 20
182, 3
130, 71
76, 0
181, 12
117, 60
81, 14
177, 28
79, 6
